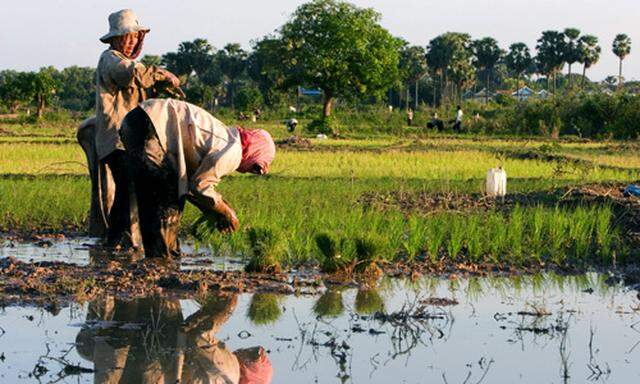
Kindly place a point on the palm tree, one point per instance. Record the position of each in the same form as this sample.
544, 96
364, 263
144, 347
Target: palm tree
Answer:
621, 48
413, 66
551, 54
590, 53
233, 60
486, 55
519, 61
438, 59
572, 50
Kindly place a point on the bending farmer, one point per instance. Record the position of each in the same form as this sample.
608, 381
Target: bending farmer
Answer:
177, 151
121, 83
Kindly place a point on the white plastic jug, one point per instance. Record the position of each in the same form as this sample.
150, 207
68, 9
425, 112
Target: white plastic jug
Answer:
496, 182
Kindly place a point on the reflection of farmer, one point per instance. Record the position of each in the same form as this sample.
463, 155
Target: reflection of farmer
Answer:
121, 84
176, 151
167, 348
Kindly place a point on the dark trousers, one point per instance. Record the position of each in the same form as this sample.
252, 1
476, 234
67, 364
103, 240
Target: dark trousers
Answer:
119, 217
156, 183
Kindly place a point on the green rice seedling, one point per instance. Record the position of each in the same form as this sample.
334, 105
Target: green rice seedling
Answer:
331, 247
414, 240
456, 236
515, 234
580, 232
556, 233
329, 304
535, 233
264, 308
603, 232
496, 236
368, 254
267, 247
473, 239
369, 301
436, 233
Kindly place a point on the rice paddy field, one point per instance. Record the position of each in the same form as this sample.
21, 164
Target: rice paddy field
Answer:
378, 259
339, 187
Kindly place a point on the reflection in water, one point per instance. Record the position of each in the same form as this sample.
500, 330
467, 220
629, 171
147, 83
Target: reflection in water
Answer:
329, 304
149, 341
545, 328
369, 301
264, 309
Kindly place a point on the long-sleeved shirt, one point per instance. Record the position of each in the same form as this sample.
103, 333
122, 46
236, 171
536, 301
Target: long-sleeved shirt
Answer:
120, 86
202, 148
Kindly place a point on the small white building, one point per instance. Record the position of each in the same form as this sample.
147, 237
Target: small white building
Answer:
523, 93
544, 94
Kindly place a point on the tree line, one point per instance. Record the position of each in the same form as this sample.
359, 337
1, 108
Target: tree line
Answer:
343, 51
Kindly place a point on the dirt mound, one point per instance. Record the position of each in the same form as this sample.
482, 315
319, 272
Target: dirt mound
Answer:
295, 142
431, 203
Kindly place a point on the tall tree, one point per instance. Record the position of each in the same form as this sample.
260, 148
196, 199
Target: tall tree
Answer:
589, 53
341, 49
40, 87
551, 54
621, 48
450, 55
572, 51
76, 88
264, 67
438, 59
15, 89
232, 60
486, 54
461, 67
413, 67
192, 57
519, 61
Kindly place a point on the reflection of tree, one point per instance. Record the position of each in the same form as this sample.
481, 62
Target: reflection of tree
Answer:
149, 341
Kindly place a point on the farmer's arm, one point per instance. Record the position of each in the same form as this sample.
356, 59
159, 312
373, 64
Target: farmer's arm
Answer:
202, 192
125, 73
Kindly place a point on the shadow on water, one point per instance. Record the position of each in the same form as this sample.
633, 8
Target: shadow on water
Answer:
541, 328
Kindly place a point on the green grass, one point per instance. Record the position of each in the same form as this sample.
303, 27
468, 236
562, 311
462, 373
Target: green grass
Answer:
44, 184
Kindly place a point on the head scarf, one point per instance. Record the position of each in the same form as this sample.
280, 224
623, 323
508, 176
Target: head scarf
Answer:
254, 369
257, 148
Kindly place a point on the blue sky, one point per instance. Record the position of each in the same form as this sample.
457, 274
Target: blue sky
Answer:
35, 33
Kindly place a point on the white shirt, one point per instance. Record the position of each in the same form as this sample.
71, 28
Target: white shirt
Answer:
202, 148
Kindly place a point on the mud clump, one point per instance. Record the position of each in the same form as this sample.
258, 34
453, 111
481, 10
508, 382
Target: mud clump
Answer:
295, 142
46, 282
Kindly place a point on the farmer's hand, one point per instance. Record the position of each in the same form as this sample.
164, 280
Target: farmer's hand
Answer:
230, 222
170, 77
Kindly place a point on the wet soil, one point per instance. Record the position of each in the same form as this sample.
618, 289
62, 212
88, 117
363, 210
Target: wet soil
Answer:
626, 208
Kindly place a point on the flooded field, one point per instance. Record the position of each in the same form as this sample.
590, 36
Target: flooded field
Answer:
82, 251
526, 329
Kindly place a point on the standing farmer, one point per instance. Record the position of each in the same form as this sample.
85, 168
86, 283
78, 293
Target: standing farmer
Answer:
458, 124
177, 151
121, 83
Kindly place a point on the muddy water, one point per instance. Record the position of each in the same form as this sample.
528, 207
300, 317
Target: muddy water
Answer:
81, 250
536, 329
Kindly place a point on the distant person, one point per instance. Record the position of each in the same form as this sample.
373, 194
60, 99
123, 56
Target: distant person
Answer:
121, 83
410, 117
457, 126
177, 151
435, 123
